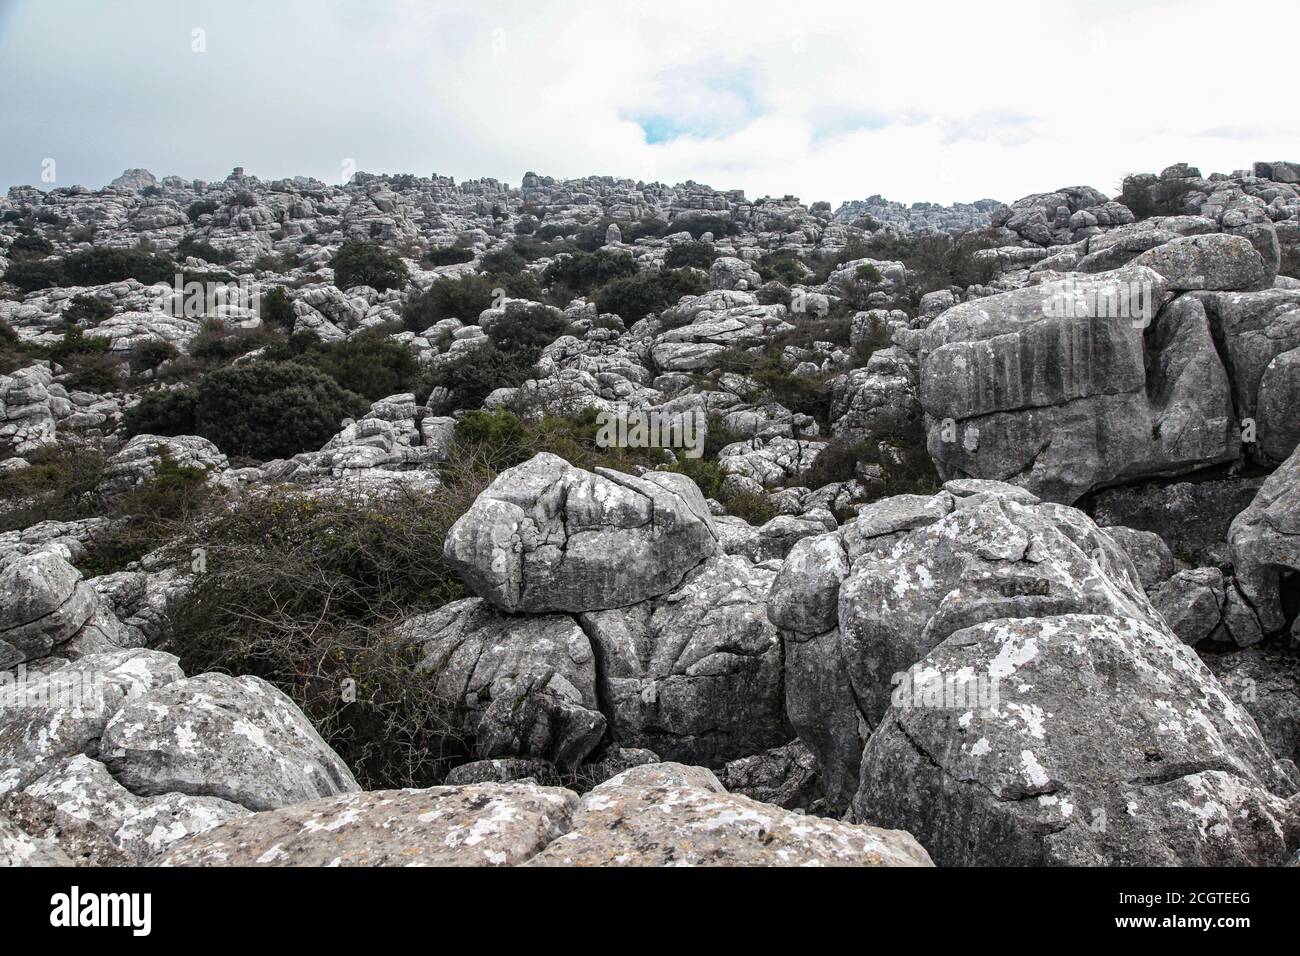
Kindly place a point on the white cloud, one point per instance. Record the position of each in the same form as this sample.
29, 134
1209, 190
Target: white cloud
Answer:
935, 101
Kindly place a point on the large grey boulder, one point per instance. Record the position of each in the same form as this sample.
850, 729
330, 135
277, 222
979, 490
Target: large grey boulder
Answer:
52, 714
1093, 740
237, 738
1216, 261
859, 607
1052, 388
514, 686
1258, 334
1265, 542
141, 459
46, 607
141, 827
696, 674
487, 824
546, 536
671, 815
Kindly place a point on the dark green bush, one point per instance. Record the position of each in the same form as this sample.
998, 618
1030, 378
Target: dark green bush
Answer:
633, 298
461, 298
523, 333
782, 266
475, 374
366, 263
369, 363
87, 310
259, 410
503, 261
201, 207
202, 249
102, 265
698, 224
699, 255
33, 275
30, 245
580, 273
302, 592
277, 309
448, 256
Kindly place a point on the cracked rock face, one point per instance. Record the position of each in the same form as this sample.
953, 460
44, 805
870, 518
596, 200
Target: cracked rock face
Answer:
546, 536
1265, 542
237, 738
518, 686
60, 712
1105, 741
1045, 388
672, 815
695, 675
490, 824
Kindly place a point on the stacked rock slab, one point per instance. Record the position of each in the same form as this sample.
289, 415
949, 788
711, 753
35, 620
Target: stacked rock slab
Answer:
607, 608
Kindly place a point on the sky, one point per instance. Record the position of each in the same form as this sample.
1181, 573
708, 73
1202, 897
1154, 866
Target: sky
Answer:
915, 100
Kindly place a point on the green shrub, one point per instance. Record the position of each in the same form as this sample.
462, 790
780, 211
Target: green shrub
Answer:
782, 266
503, 261
87, 310
635, 297
302, 592
202, 249
277, 310
150, 354
34, 275
500, 439
698, 255
259, 410
474, 374
102, 265
580, 273
698, 224
757, 509
448, 256
705, 473
366, 263
148, 515
30, 245
461, 298
201, 207
525, 332
370, 363
646, 229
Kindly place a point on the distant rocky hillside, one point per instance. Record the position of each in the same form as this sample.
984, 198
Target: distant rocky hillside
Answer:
876, 212
602, 522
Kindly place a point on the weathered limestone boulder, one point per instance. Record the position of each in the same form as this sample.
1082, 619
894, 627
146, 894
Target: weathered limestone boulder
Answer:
1259, 334
1076, 739
1215, 261
141, 827
857, 608
52, 714
878, 399
671, 815
1265, 542
728, 272
785, 776
696, 674
1148, 552
1192, 603
1057, 387
141, 459
237, 738
517, 686
546, 536
46, 607
490, 824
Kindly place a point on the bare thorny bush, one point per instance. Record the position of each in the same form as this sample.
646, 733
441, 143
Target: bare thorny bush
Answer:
304, 590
